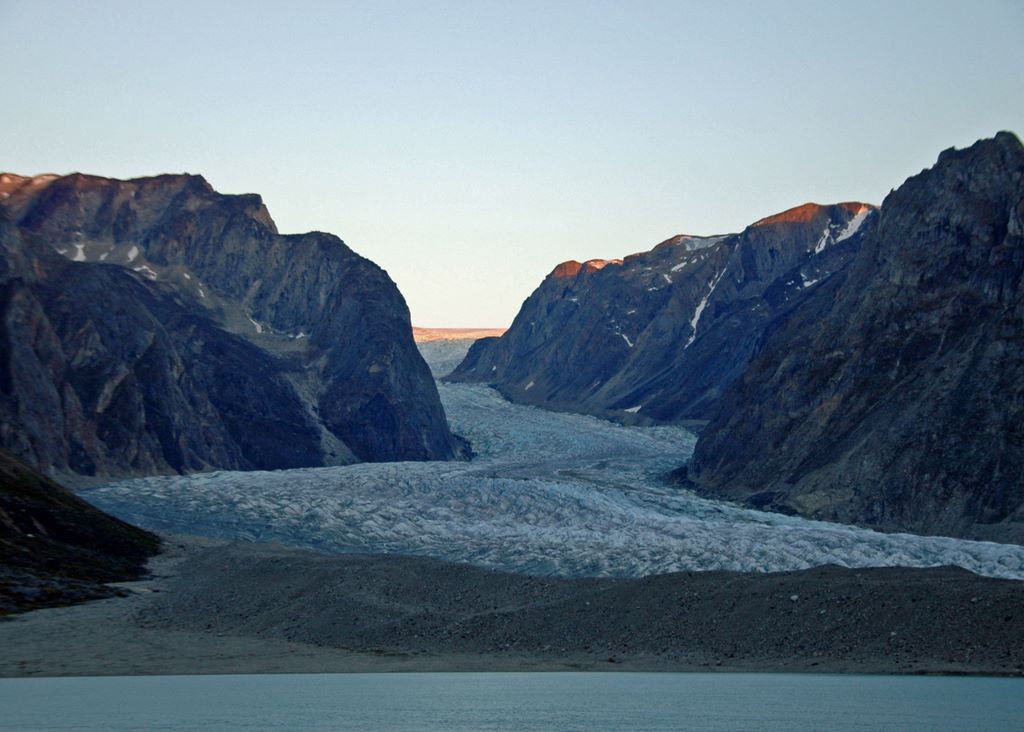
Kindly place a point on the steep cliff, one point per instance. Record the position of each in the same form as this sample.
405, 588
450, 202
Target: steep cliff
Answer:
179, 331
660, 334
893, 396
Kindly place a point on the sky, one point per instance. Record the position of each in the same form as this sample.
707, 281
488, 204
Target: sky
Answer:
469, 147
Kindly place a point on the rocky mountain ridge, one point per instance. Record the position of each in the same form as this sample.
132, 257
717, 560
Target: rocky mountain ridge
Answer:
659, 334
894, 395
180, 331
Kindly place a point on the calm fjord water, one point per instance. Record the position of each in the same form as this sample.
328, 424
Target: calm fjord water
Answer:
430, 702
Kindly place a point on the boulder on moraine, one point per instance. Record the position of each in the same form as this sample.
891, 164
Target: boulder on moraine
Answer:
180, 331
893, 396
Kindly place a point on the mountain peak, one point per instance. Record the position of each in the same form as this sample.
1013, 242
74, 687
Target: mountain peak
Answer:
1003, 140
571, 268
12, 183
593, 265
808, 211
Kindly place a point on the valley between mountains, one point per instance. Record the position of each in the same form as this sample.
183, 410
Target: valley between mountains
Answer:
227, 606
233, 606
547, 493
798, 446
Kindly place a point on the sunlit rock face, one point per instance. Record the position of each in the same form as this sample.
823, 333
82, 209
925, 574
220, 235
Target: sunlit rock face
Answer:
659, 334
155, 325
893, 395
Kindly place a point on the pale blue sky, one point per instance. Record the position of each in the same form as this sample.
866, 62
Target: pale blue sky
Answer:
468, 147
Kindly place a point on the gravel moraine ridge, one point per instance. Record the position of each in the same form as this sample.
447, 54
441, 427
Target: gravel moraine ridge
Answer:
212, 607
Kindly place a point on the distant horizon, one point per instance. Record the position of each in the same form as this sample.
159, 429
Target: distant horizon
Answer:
469, 147
429, 332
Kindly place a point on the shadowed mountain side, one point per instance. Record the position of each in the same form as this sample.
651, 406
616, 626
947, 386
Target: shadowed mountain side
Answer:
55, 548
893, 396
659, 334
107, 374
326, 330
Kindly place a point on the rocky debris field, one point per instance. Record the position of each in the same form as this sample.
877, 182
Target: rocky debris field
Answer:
886, 619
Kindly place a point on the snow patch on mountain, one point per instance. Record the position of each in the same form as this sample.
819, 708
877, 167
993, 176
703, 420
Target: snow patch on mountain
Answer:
699, 310
146, 271
855, 223
826, 238
695, 243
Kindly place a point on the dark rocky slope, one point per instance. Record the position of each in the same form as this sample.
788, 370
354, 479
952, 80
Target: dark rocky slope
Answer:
661, 333
880, 620
893, 396
55, 548
181, 332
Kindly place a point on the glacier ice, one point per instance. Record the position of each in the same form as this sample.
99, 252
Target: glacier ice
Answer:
548, 493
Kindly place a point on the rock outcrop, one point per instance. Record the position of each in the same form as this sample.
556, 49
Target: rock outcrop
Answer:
659, 335
55, 548
180, 332
893, 394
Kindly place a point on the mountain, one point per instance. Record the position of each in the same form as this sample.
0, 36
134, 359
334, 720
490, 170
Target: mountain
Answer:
154, 325
893, 395
661, 333
56, 548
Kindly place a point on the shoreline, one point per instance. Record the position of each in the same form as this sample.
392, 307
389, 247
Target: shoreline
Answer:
213, 607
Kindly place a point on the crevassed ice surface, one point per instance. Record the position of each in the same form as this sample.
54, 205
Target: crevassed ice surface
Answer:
548, 493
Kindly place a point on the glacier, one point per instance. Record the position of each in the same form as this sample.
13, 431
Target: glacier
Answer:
547, 493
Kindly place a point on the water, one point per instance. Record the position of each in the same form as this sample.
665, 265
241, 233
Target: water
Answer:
513, 701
